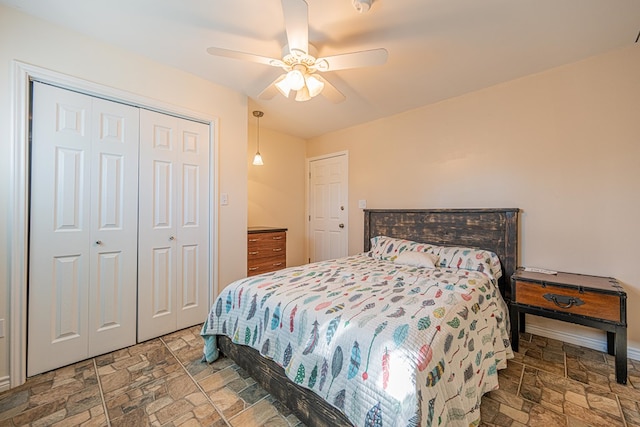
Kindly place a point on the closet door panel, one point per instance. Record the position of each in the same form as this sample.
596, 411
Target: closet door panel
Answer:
59, 229
114, 219
190, 267
68, 308
193, 223
161, 297
174, 224
157, 225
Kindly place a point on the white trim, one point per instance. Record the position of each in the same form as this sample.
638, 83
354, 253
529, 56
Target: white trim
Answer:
109, 93
19, 178
19, 233
307, 213
214, 165
4, 384
581, 340
328, 156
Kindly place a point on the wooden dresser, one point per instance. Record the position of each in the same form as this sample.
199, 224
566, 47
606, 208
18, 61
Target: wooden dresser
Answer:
266, 249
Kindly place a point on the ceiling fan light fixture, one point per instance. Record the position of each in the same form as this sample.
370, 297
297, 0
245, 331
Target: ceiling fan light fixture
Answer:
295, 79
283, 85
303, 94
314, 85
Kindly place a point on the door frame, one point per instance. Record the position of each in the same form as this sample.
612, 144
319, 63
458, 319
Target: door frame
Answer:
22, 75
307, 191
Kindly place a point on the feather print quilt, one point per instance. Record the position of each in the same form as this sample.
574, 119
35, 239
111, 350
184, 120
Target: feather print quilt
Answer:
386, 344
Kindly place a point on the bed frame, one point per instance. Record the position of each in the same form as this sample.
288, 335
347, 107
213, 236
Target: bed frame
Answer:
492, 229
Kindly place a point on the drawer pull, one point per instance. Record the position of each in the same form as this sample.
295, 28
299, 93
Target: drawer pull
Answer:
253, 253
253, 268
277, 249
277, 237
277, 264
253, 240
563, 301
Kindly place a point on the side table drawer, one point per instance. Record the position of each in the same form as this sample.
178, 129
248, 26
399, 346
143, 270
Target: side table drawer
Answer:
568, 300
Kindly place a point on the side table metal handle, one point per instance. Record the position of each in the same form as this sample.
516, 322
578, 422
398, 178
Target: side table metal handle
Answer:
563, 301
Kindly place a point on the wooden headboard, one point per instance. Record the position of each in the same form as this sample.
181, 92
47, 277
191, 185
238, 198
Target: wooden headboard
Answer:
495, 230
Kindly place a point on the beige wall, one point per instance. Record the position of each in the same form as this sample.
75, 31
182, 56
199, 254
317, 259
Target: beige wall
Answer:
36, 42
563, 146
276, 189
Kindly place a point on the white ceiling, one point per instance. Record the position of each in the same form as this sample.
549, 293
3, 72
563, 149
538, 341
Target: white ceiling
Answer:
437, 48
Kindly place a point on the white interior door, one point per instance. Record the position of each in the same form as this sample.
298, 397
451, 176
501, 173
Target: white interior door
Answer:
173, 243
81, 292
328, 213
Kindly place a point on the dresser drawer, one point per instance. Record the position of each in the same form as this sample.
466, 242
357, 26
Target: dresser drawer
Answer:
257, 240
259, 253
266, 245
266, 265
569, 300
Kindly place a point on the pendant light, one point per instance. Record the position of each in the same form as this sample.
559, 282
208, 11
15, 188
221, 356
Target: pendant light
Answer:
257, 159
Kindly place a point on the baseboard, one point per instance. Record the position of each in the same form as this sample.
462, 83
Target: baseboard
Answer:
5, 383
595, 344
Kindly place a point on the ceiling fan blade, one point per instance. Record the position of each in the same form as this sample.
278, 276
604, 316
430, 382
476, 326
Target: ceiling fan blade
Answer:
330, 92
363, 58
217, 51
296, 22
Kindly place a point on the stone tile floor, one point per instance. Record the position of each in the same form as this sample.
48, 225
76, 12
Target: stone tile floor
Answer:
163, 383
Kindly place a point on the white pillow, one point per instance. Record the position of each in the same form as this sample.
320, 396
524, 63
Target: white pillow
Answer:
417, 259
388, 248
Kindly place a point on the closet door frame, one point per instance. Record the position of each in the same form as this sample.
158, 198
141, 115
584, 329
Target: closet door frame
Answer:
22, 75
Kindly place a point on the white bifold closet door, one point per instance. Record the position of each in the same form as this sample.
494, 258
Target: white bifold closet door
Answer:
173, 247
83, 228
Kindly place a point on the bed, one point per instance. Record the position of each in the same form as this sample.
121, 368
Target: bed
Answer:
410, 332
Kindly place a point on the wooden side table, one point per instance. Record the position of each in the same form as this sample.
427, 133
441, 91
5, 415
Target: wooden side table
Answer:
598, 302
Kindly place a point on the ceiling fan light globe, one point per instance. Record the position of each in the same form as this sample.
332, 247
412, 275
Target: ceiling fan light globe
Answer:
295, 79
303, 94
314, 85
282, 85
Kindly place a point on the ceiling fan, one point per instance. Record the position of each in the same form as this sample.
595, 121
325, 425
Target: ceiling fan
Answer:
299, 60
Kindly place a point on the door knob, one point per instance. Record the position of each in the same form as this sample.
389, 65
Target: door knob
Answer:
98, 242
172, 238
341, 225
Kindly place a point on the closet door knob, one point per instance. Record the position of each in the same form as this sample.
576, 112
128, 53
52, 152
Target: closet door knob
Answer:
172, 238
98, 242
